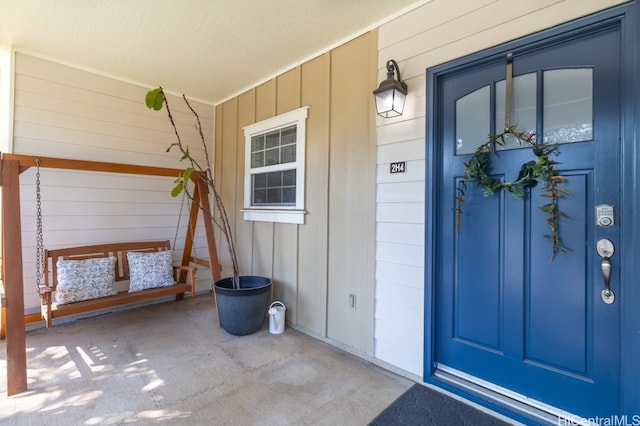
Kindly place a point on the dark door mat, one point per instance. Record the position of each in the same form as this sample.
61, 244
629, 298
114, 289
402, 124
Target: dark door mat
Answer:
420, 405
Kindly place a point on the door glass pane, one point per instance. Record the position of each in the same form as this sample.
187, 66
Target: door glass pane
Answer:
523, 104
473, 120
568, 105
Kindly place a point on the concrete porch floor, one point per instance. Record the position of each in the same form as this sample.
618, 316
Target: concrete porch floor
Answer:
171, 363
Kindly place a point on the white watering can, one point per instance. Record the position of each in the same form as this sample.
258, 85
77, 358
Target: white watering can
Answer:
276, 317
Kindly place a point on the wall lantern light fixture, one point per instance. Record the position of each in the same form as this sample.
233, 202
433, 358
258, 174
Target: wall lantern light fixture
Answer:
391, 93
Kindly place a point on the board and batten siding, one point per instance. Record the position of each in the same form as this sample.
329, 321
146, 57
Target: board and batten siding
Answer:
317, 265
429, 35
66, 112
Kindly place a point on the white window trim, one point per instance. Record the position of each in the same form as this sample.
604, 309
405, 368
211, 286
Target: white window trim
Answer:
284, 214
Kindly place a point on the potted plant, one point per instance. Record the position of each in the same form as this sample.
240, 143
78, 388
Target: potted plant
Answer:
241, 300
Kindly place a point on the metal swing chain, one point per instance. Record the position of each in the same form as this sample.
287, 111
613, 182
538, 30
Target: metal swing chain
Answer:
39, 239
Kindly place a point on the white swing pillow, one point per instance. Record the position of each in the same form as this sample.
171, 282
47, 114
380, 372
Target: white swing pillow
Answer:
150, 270
84, 279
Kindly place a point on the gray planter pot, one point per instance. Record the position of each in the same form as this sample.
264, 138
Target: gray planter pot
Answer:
243, 311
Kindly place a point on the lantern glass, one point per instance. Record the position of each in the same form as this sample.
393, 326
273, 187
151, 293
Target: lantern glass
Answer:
390, 103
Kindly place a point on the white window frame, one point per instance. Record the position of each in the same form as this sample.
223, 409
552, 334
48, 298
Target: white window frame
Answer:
283, 214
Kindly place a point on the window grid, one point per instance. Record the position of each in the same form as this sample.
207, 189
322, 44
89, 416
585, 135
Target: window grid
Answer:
273, 148
274, 188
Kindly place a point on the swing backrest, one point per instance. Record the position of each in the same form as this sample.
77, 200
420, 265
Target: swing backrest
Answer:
117, 250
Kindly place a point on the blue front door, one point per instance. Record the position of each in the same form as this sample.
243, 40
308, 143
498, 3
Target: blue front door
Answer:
507, 317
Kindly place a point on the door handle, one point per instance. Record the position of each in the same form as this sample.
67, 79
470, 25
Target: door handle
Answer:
605, 249
607, 294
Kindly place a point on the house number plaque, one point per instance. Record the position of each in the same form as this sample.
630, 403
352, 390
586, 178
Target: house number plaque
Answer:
398, 167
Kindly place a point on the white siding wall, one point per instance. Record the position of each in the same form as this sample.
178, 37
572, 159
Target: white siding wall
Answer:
62, 111
5, 105
434, 33
5, 98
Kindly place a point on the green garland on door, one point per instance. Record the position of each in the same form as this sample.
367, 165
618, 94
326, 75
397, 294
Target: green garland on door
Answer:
542, 169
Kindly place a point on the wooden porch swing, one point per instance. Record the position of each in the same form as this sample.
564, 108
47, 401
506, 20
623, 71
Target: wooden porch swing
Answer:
11, 165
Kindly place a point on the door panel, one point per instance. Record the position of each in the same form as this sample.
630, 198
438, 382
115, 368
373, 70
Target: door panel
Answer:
506, 313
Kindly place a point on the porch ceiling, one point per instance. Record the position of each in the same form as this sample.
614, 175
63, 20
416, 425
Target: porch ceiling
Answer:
208, 49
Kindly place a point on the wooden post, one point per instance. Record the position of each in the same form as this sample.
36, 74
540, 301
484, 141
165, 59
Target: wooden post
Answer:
3, 314
214, 264
12, 278
215, 268
188, 240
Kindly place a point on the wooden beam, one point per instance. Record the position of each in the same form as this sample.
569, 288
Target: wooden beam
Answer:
33, 318
201, 262
12, 277
191, 227
27, 161
203, 191
214, 264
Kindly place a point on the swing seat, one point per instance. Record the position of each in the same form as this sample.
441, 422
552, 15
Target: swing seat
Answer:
135, 267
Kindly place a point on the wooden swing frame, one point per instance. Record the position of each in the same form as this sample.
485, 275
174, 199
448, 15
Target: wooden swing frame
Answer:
11, 166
